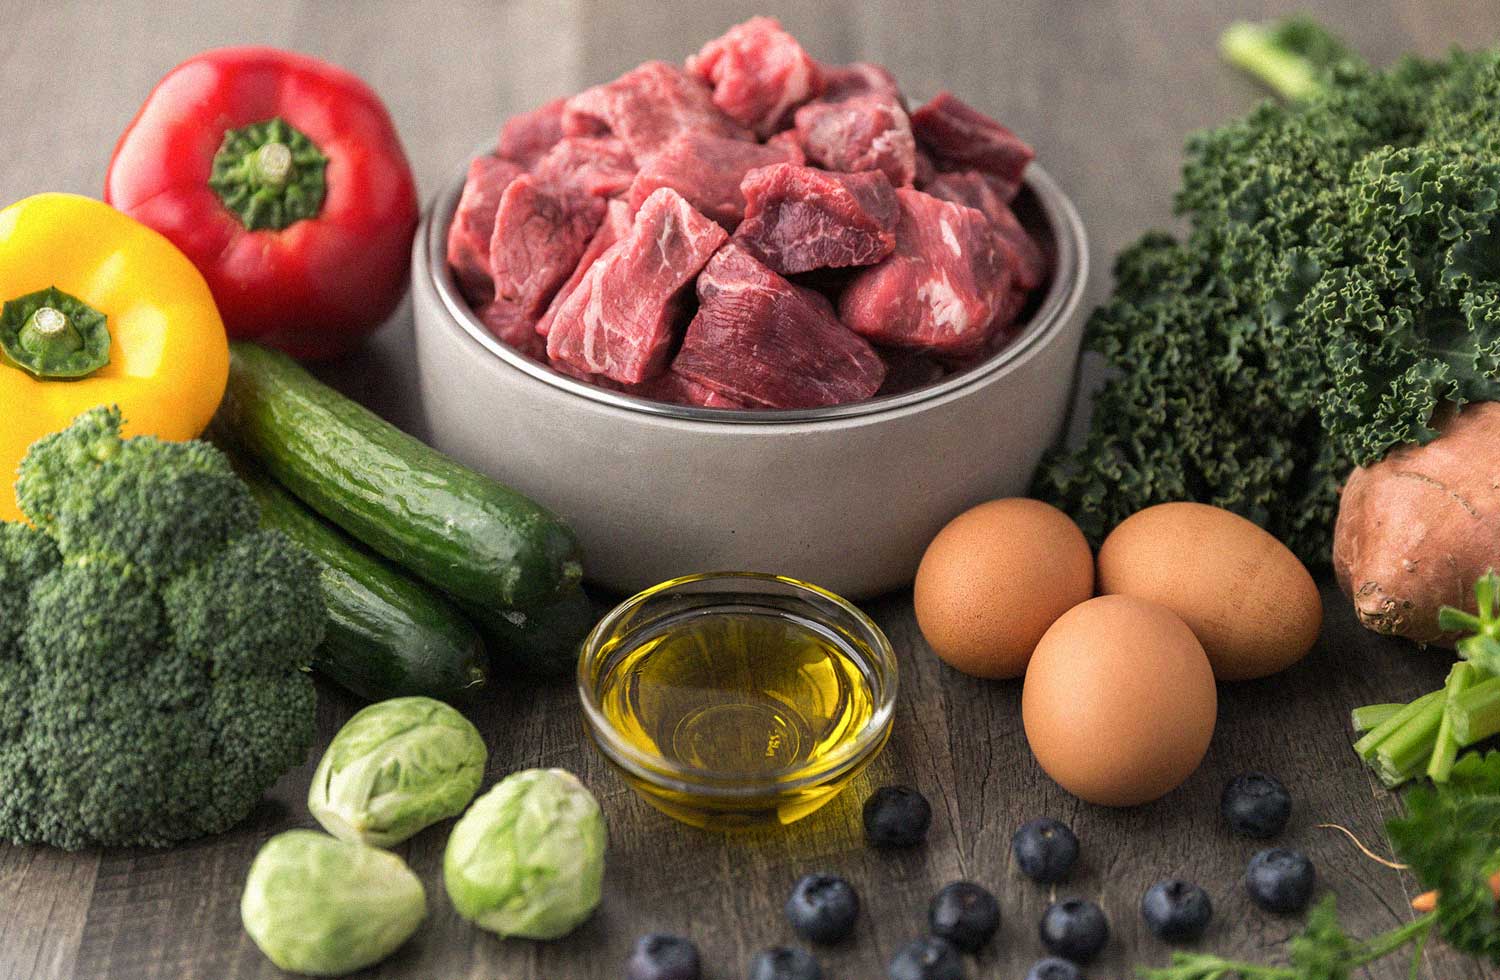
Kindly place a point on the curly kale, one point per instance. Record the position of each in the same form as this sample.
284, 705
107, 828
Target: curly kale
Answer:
154, 644
1339, 284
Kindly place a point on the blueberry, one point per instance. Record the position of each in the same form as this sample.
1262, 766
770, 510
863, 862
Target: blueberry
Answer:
928, 958
785, 963
965, 914
1280, 880
1045, 849
1074, 929
1256, 805
897, 816
1053, 968
1176, 911
822, 908
658, 956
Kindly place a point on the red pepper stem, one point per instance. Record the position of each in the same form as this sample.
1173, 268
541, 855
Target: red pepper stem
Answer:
273, 164
269, 175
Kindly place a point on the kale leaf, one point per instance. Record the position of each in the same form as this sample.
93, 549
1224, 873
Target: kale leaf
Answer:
1338, 285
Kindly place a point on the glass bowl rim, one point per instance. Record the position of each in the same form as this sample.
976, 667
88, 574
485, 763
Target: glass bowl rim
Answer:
659, 772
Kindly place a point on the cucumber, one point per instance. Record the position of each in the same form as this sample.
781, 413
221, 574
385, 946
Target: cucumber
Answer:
542, 642
446, 524
388, 636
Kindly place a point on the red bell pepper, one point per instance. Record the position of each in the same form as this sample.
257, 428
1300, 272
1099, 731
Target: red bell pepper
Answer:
283, 179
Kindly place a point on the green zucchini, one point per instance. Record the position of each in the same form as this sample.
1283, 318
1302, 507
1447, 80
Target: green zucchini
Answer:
541, 642
389, 636
454, 528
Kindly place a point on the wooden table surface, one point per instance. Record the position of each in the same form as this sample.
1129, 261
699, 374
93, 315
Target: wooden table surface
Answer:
1105, 89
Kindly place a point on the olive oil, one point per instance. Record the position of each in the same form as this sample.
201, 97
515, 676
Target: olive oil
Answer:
730, 692
741, 694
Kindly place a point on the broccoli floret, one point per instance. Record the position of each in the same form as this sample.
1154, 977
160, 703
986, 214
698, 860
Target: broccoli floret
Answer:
154, 644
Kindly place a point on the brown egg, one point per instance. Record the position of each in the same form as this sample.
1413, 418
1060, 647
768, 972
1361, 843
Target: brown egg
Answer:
1119, 702
1248, 599
995, 578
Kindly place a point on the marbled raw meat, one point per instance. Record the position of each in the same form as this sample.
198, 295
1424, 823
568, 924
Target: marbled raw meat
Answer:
707, 170
860, 78
524, 138
509, 324
597, 165
800, 218
474, 224
980, 191
615, 226
646, 107
859, 132
760, 339
674, 389
759, 74
963, 138
620, 319
541, 231
943, 286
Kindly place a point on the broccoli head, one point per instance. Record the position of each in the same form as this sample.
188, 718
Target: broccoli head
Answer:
154, 644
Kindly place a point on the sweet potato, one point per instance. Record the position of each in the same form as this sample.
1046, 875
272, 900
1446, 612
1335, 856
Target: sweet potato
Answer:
1416, 529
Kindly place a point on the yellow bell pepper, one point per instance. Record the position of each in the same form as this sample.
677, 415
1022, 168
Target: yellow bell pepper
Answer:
79, 279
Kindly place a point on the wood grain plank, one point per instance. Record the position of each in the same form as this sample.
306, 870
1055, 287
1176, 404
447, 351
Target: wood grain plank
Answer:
44, 901
1106, 90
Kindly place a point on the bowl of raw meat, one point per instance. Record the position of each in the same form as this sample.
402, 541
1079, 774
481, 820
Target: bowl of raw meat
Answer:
753, 312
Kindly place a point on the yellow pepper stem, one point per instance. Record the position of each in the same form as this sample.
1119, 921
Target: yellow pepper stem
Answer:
53, 335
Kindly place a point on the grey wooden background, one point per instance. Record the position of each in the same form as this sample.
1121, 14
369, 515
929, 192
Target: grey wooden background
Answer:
1105, 89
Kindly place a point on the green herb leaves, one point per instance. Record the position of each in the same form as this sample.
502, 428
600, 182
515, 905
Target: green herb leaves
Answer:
1451, 839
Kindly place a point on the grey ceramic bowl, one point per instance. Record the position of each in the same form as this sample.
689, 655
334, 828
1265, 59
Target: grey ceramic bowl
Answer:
847, 496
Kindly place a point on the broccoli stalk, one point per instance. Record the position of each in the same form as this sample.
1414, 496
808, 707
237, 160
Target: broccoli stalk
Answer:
1296, 57
154, 644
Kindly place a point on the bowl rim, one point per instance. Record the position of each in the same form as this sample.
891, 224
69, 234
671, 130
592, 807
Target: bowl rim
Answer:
661, 773
1064, 294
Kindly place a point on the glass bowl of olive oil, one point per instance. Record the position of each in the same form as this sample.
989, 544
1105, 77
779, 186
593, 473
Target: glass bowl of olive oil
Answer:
735, 700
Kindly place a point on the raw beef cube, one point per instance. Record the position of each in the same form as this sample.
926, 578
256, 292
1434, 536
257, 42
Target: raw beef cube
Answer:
759, 74
908, 370
540, 233
597, 165
706, 170
860, 78
942, 287
762, 340
925, 169
979, 191
674, 389
788, 142
963, 137
508, 323
861, 132
615, 226
647, 106
524, 138
619, 320
474, 223
799, 218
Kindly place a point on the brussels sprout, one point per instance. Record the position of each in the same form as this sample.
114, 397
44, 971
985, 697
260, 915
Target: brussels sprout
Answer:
396, 767
528, 858
325, 907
